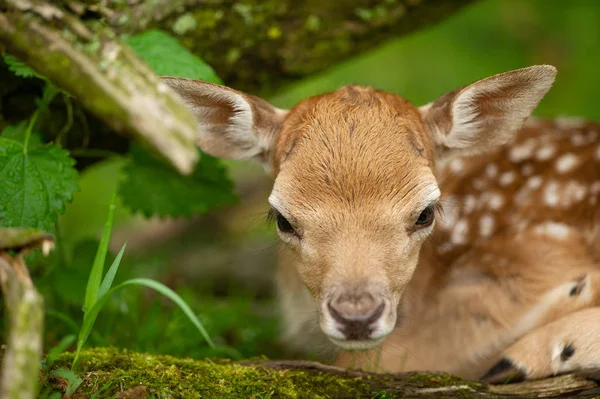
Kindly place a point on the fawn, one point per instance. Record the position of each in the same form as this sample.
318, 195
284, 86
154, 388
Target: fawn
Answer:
458, 236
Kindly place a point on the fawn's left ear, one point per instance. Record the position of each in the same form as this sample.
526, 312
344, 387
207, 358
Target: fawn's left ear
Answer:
487, 113
231, 124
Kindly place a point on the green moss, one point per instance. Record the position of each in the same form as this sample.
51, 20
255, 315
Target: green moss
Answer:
166, 376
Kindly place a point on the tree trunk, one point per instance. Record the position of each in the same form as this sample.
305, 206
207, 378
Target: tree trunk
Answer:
254, 45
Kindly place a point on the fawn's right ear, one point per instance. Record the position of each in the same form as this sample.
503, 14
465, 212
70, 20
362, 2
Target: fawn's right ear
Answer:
231, 124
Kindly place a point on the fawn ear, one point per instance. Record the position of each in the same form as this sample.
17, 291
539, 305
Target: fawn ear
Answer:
488, 113
231, 124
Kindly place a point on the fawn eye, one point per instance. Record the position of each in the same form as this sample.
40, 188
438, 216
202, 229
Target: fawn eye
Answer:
283, 225
425, 218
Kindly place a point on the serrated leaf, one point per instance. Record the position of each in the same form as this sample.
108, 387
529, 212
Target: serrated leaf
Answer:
18, 132
152, 188
19, 68
167, 57
35, 185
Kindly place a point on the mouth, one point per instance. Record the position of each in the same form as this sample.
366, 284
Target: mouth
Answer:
356, 345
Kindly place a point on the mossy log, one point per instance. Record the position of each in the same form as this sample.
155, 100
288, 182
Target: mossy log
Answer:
254, 45
135, 375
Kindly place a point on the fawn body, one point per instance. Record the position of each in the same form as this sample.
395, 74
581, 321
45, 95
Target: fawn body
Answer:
374, 275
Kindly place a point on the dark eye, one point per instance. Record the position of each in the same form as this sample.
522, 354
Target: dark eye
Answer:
425, 218
284, 225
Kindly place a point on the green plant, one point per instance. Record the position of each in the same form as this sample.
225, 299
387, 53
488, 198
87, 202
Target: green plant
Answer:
99, 290
40, 177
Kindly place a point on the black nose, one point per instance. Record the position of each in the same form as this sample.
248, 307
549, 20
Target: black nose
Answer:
356, 313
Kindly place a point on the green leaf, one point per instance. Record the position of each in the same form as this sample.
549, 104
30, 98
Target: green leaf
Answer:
35, 186
152, 188
19, 68
167, 57
18, 133
95, 279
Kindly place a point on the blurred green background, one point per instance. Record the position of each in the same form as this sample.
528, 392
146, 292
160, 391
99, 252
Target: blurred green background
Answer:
222, 263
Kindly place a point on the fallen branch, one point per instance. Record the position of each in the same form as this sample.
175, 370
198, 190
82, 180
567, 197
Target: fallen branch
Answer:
91, 63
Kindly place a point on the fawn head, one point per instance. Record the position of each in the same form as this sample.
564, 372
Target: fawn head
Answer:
355, 190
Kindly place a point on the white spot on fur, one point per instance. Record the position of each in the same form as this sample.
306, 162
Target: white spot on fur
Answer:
495, 201
573, 192
459, 233
566, 163
551, 196
469, 204
545, 152
507, 178
534, 182
491, 170
523, 151
527, 170
456, 165
486, 225
595, 187
555, 230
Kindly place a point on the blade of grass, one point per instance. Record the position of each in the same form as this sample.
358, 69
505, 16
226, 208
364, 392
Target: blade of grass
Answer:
93, 285
110, 274
90, 316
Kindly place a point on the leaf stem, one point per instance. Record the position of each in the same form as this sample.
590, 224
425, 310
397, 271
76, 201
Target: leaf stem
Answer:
49, 92
32, 122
